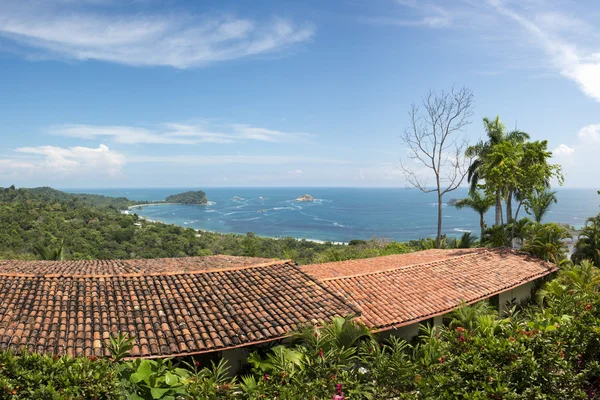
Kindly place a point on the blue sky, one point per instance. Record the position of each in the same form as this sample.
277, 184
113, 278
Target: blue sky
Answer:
100, 93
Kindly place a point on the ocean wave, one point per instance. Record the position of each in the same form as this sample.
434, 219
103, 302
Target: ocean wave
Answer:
339, 225
462, 230
211, 203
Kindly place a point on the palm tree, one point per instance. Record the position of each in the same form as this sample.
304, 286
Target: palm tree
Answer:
547, 242
340, 332
55, 252
588, 242
467, 316
539, 202
496, 134
479, 203
466, 241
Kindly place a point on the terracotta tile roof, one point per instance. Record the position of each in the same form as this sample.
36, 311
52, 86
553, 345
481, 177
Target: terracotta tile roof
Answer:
375, 264
64, 309
126, 267
401, 294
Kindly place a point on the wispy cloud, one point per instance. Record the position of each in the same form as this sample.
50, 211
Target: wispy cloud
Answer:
179, 133
71, 160
548, 29
66, 30
415, 14
237, 159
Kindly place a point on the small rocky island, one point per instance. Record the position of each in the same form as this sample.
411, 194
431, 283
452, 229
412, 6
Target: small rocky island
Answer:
192, 197
306, 197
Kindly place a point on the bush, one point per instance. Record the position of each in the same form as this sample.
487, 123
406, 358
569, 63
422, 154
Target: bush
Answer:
34, 376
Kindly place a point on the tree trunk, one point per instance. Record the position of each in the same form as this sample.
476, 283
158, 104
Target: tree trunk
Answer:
498, 208
518, 209
509, 217
439, 227
482, 225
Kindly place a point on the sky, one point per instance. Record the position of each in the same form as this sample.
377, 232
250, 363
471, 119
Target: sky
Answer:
143, 93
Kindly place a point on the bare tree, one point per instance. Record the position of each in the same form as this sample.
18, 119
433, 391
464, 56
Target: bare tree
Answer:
434, 140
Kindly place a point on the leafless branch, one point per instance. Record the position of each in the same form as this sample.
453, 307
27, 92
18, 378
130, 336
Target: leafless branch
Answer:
433, 140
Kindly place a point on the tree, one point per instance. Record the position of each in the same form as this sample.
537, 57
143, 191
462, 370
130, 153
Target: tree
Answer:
55, 252
482, 151
538, 203
433, 140
480, 203
588, 242
547, 242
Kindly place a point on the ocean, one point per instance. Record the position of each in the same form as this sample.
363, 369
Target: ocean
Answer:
336, 214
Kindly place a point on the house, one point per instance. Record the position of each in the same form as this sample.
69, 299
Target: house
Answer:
173, 307
398, 292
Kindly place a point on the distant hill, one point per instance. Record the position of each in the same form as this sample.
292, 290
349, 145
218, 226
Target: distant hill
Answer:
192, 197
49, 195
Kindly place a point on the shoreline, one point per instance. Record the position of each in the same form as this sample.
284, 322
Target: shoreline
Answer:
199, 231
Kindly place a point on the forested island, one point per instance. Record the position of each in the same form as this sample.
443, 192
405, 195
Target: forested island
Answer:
191, 197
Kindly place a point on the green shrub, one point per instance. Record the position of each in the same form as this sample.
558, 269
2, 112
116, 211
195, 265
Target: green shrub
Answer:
34, 376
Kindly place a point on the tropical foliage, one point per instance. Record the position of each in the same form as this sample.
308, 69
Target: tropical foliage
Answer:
478, 202
588, 243
508, 167
538, 203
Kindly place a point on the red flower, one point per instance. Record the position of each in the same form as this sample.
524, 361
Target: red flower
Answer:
441, 360
460, 329
321, 353
588, 307
266, 377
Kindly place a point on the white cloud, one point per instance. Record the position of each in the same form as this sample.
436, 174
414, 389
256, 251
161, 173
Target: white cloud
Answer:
296, 172
180, 41
583, 67
562, 150
590, 133
72, 160
178, 133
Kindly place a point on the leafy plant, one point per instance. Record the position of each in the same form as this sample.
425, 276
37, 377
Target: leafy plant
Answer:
154, 379
120, 346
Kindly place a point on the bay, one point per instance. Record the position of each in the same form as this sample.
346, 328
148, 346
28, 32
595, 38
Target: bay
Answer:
337, 214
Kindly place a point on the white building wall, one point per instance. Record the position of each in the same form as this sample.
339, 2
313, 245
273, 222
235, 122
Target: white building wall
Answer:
236, 359
517, 294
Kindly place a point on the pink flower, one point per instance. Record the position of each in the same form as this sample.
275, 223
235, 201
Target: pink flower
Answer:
338, 388
338, 397
266, 377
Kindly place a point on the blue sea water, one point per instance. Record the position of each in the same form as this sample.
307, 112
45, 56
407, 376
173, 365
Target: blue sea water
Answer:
337, 214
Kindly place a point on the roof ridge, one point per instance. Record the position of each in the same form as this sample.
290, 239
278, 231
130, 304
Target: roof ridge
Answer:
322, 285
479, 251
144, 273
